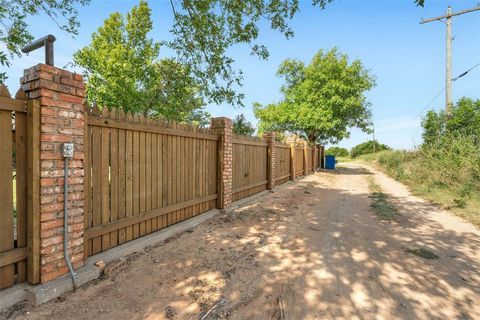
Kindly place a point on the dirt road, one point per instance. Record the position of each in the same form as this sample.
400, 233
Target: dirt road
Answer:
310, 250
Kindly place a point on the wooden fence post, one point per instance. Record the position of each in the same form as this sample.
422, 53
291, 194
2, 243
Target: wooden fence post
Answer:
292, 142
269, 138
322, 157
56, 116
224, 127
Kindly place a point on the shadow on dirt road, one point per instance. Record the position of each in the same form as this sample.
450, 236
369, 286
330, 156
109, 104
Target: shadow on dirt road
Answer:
312, 249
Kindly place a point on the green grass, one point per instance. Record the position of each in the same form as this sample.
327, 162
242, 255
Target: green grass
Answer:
343, 159
447, 174
380, 202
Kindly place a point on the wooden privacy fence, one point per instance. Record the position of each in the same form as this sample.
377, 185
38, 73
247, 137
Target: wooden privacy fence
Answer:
309, 159
144, 175
249, 166
282, 163
129, 175
17, 227
299, 161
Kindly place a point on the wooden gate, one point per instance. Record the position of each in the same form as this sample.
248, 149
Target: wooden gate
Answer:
16, 218
143, 175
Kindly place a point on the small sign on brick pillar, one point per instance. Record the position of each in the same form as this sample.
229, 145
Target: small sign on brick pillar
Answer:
224, 127
269, 138
60, 95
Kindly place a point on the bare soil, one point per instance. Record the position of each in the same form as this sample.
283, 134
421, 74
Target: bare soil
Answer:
313, 249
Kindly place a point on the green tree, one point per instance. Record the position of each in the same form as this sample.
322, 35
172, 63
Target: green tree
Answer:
464, 120
337, 151
367, 148
433, 126
14, 33
242, 126
322, 100
123, 70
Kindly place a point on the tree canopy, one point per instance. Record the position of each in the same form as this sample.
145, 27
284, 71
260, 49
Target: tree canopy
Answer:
337, 151
242, 126
322, 100
14, 33
123, 70
203, 31
367, 148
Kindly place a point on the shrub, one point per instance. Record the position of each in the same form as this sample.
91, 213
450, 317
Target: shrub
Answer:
367, 147
337, 151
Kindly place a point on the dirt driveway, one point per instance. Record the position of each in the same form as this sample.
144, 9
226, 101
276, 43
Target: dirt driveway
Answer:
310, 250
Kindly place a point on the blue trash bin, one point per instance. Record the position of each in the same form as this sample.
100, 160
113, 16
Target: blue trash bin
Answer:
330, 162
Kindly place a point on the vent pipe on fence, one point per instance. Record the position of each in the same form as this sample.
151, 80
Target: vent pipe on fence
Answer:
46, 42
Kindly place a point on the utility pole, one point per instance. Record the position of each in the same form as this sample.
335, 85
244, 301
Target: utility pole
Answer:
448, 71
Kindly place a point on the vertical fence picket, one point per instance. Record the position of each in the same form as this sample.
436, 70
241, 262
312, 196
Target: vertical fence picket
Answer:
21, 188
7, 273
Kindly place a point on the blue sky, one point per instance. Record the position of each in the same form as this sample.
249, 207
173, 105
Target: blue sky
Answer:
408, 59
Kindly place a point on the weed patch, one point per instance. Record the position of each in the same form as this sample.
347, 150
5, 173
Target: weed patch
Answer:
422, 253
380, 202
447, 174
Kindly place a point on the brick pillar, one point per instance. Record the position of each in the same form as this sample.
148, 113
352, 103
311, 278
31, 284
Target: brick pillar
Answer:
224, 127
269, 138
59, 94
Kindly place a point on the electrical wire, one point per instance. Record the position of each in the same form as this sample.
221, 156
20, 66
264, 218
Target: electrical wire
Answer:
429, 104
465, 73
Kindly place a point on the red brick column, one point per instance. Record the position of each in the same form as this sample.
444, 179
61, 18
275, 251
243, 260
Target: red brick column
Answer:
60, 95
224, 127
269, 138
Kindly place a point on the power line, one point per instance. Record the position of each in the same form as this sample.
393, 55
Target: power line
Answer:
436, 97
429, 104
419, 114
465, 73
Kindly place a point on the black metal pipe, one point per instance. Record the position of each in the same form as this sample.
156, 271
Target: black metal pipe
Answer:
46, 42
